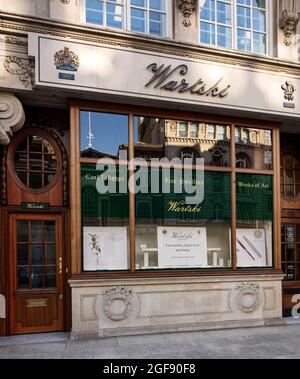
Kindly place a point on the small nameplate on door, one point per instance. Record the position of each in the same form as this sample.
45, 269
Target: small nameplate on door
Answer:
36, 303
35, 205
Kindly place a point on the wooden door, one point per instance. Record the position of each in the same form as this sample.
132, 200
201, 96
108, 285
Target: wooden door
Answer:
36, 273
290, 262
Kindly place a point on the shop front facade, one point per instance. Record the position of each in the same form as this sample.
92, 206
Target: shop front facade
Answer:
149, 166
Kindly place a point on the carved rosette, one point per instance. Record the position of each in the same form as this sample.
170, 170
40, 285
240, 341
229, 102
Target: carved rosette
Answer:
187, 8
248, 297
117, 303
12, 117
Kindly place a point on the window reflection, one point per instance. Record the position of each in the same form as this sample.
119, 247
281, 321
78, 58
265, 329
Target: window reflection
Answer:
254, 148
162, 218
158, 138
105, 216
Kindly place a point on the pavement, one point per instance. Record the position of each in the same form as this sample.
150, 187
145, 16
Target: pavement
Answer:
282, 342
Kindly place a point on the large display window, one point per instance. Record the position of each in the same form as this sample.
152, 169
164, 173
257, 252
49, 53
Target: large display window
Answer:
136, 208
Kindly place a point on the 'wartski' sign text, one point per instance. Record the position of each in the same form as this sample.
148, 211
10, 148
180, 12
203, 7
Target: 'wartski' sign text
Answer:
164, 78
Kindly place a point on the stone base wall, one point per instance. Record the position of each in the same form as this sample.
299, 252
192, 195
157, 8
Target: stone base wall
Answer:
138, 306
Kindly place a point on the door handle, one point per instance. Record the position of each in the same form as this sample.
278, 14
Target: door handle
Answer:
60, 266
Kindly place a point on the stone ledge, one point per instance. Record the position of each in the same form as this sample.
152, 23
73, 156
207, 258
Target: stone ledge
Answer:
107, 282
177, 328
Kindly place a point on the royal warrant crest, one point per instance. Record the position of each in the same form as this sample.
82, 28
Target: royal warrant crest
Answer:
289, 90
66, 60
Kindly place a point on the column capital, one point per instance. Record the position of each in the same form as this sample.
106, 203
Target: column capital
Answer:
12, 116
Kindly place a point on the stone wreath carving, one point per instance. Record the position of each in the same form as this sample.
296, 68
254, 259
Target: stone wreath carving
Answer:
24, 70
187, 7
248, 297
117, 303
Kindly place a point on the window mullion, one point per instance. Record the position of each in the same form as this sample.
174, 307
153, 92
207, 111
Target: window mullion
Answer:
128, 15
251, 26
104, 14
216, 23
234, 25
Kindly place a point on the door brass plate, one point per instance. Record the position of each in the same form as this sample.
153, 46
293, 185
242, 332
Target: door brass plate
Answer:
36, 303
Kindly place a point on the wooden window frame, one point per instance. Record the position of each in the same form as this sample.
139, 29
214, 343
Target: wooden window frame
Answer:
13, 149
131, 111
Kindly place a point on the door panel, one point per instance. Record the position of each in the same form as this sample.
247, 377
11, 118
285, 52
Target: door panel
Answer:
290, 262
36, 273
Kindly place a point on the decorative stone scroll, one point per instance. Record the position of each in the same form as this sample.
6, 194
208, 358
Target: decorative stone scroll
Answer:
12, 117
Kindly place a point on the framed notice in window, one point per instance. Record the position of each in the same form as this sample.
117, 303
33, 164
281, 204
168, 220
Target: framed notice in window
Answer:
182, 247
105, 248
251, 248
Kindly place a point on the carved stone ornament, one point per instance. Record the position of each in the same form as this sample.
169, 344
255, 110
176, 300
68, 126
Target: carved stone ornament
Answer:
248, 297
65, 1
289, 90
117, 303
12, 117
288, 23
187, 8
22, 68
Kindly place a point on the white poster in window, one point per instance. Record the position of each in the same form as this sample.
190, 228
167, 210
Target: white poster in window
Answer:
182, 247
105, 248
251, 248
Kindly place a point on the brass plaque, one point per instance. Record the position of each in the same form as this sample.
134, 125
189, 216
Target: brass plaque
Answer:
36, 303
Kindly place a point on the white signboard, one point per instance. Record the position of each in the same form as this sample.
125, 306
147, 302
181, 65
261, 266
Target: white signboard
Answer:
127, 71
251, 248
182, 247
105, 248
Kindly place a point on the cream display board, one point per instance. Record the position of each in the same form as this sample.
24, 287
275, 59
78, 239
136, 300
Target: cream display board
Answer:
251, 248
105, 248
181, 247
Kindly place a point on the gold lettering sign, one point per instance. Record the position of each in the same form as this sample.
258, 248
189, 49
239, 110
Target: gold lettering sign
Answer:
182, 207
36, 303
253, 185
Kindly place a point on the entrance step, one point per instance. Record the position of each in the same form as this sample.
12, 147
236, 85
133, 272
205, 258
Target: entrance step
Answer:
34, 338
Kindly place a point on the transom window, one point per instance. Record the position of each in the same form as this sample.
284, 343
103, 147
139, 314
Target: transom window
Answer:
141, 16
234, 24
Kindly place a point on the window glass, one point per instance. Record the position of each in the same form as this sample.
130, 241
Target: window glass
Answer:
291, 251
254, 220
254, 148
35, 162
104, 195
105, 13
245, 31
144, 16
35, 255
170, 233
290, 176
